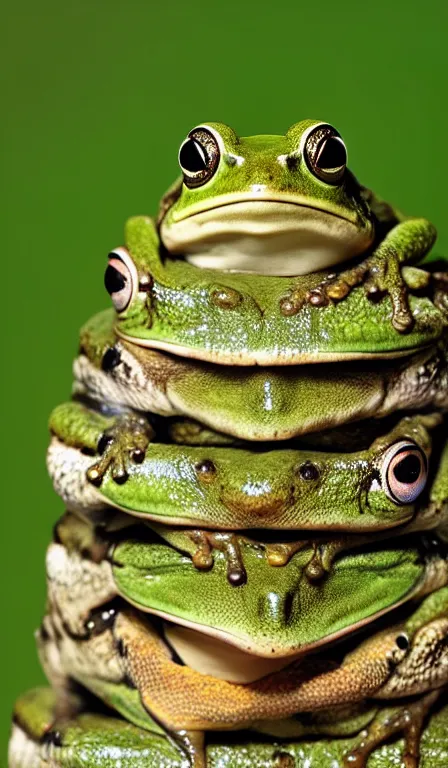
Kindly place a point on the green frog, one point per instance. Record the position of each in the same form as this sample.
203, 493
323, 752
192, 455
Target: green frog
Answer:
233, 488
262, 404
287, 206
101, 740
108, 646
242, 319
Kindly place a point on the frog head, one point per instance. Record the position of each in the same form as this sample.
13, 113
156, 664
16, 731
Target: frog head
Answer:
277, 205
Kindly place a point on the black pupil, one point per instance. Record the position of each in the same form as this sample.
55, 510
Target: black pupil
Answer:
408, 469
332, 154
309, 471
114, 281
192, 157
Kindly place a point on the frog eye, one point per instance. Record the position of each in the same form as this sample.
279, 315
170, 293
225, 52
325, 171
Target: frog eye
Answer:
120, 278
404, 472
199, 157
325, 154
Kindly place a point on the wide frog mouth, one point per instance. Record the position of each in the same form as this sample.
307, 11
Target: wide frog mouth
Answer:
242, 232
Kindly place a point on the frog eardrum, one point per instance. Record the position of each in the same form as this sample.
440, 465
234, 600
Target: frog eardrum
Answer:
254, 468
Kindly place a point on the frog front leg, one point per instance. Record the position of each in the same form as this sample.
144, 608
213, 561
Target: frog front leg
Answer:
119, 439
407, 242
424, 667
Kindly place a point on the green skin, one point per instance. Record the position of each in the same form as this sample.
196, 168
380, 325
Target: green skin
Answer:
278, 611
380, 667
228, 488
240, 319
254, 403
267, 209
79, 642
91, 740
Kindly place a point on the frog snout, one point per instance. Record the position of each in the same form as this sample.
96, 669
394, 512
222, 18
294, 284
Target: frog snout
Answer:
257, 501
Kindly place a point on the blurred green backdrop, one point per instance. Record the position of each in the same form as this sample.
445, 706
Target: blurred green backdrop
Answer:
96, 98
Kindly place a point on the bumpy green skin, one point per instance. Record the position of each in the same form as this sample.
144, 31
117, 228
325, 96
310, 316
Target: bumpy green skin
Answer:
243, 489
100, 741
184, 312
255, 404
279, 611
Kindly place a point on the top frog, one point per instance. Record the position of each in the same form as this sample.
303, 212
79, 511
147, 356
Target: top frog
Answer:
287, 206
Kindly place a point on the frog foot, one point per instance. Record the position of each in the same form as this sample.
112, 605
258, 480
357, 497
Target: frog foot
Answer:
321, 561
381, 274
228, 544
192, 744
407, 719
126, 441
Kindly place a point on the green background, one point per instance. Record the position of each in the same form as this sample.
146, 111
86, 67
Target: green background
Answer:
96, 98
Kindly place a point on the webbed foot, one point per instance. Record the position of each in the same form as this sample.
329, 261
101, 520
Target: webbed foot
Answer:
407, 719
381, 274
126, 441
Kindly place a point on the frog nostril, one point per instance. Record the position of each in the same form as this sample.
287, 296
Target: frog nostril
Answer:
206, 470
309, 471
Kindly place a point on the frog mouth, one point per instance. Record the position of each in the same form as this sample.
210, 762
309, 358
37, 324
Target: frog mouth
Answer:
284, 236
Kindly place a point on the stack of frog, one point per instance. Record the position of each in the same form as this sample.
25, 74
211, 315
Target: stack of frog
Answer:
256, 478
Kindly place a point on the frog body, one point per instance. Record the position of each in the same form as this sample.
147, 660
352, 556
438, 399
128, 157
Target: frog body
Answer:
274, 613
117, 645
229, 488
254, 403
106, 741
241, 319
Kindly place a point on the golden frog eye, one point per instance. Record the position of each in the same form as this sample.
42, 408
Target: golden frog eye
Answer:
199, 157
404, 472
120, 278
325, 154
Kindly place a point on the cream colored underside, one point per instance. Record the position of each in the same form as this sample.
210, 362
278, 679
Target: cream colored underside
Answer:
211, 656
265, 237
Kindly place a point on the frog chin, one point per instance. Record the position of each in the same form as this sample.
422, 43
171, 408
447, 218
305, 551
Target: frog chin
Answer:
266, 237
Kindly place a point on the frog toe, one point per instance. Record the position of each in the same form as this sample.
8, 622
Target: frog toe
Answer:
408, 719
120, 446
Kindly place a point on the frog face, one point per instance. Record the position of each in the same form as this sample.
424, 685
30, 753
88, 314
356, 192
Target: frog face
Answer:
226, 488
278, 205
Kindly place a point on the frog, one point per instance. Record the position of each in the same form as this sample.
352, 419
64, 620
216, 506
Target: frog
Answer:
233, 488
256, 404
287, 206
118, 645
240, 319
103, 740
272, 615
